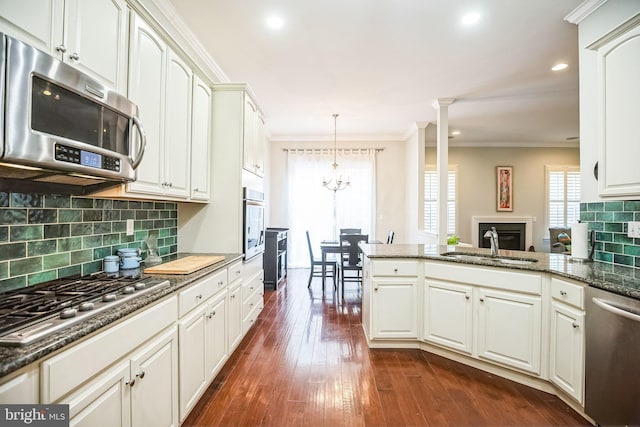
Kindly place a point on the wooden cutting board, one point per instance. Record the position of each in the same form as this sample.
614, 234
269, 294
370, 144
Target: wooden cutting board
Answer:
186, 265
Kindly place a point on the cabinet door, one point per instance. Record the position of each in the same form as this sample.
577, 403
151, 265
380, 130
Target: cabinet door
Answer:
619, 91
37, 22
566, 368
105, 402
23, 388
200, 140
510, 328
177, 140
193, 368
248, 153
258, 148
448, 315
216, 324
147, 85
95, 37
395, 307
154, 397
235, 317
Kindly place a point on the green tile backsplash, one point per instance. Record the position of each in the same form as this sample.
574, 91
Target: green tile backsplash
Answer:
609, 220
44, 237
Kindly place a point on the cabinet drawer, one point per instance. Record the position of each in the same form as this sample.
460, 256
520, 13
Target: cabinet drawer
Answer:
234, 272
252, 286
67, 370
201, 291
255, 300
394, 268
567, 292
493, 277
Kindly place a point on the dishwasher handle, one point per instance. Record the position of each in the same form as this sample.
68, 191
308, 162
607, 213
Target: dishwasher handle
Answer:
615, 310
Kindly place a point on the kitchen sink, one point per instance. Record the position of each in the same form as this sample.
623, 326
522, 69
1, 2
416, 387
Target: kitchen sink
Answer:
507, 260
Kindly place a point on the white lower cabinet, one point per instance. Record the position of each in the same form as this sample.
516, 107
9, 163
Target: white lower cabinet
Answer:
510, 329
203, 349
20, 387
567, 338
252, 300
139, 391
448, 315
394, 307
235, 315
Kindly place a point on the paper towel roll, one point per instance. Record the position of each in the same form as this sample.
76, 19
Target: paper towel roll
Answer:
580, 241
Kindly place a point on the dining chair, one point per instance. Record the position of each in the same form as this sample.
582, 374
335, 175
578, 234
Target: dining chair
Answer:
351, 258
350, 230
316, 266
390, 237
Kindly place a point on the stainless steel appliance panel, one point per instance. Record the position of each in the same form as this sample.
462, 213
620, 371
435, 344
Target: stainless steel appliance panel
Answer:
612, 361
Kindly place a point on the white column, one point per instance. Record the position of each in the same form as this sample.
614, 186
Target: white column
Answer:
442, 164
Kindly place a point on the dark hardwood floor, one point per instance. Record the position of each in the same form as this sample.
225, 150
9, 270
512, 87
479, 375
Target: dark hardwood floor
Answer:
306, 363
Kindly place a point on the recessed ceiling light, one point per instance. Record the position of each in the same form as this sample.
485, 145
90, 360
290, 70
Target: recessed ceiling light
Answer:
455, 132
275, 22
470, 18
559, 67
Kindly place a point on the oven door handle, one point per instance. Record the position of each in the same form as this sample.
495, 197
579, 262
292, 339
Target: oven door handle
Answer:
615, 310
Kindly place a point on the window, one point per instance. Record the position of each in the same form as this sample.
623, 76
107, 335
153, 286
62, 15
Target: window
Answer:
563, 195
431, 200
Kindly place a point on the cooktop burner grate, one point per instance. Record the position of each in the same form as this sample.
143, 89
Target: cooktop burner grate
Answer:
67, 300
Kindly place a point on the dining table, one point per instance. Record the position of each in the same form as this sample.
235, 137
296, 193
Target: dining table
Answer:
332, 247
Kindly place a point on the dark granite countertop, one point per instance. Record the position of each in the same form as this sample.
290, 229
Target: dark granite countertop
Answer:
618, 279
14, 358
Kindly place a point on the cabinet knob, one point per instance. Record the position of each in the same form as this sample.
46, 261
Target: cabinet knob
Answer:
481, 299
61, 48
131, 383
199, 296
220, 283
395, 270
213, 313
233, 297
466, 297
575, 325
563, 293
140, 375
375, 289
74, 56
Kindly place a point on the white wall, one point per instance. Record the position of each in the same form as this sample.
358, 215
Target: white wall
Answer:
477, 182
391, 183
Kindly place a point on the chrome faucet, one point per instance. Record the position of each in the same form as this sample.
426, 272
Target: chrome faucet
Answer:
492, 235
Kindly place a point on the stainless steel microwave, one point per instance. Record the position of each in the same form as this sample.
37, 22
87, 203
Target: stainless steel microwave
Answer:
62, 131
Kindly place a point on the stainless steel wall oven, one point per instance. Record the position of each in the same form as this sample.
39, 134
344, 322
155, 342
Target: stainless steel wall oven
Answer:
253, 223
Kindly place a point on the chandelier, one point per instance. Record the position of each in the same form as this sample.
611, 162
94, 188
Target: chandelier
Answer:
336, 183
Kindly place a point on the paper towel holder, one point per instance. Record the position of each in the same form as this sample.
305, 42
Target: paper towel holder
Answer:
592, 242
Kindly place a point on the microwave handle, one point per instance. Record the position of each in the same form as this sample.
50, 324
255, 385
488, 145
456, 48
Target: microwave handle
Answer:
143, 142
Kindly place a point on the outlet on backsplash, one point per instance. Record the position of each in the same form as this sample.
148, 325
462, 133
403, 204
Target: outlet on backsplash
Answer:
633, 229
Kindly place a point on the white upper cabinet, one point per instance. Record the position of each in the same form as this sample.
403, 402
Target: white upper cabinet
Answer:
161, 86
619, 103
90, 35
177, 143
147, 87
201, 141
253, 141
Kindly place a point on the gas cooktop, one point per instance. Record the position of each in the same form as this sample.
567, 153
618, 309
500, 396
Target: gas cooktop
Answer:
32, 313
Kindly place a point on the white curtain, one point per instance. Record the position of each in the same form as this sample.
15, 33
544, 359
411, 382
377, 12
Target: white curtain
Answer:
311, 206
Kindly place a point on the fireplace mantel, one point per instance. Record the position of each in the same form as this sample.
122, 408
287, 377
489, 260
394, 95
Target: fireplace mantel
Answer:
526, 220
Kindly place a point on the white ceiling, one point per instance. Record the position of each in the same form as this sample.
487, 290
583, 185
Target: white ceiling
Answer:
381, 64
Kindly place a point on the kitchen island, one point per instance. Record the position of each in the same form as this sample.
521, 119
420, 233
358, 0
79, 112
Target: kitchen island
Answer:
520, 315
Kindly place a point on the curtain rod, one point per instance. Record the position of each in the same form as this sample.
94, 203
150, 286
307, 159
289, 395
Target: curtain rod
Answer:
324, 150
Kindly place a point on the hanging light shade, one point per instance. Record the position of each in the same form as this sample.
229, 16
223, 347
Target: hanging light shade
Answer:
336, 183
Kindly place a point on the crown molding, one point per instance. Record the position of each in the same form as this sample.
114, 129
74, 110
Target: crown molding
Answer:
585, 9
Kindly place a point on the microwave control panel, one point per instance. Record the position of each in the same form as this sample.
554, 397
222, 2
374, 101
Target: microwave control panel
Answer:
64, 153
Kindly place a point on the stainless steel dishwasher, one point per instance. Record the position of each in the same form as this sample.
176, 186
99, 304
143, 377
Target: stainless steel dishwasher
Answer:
612, 360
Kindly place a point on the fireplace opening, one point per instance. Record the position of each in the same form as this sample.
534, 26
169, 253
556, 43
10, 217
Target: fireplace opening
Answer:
511, 235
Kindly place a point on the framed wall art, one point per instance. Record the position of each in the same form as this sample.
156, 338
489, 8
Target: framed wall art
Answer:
504, 180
